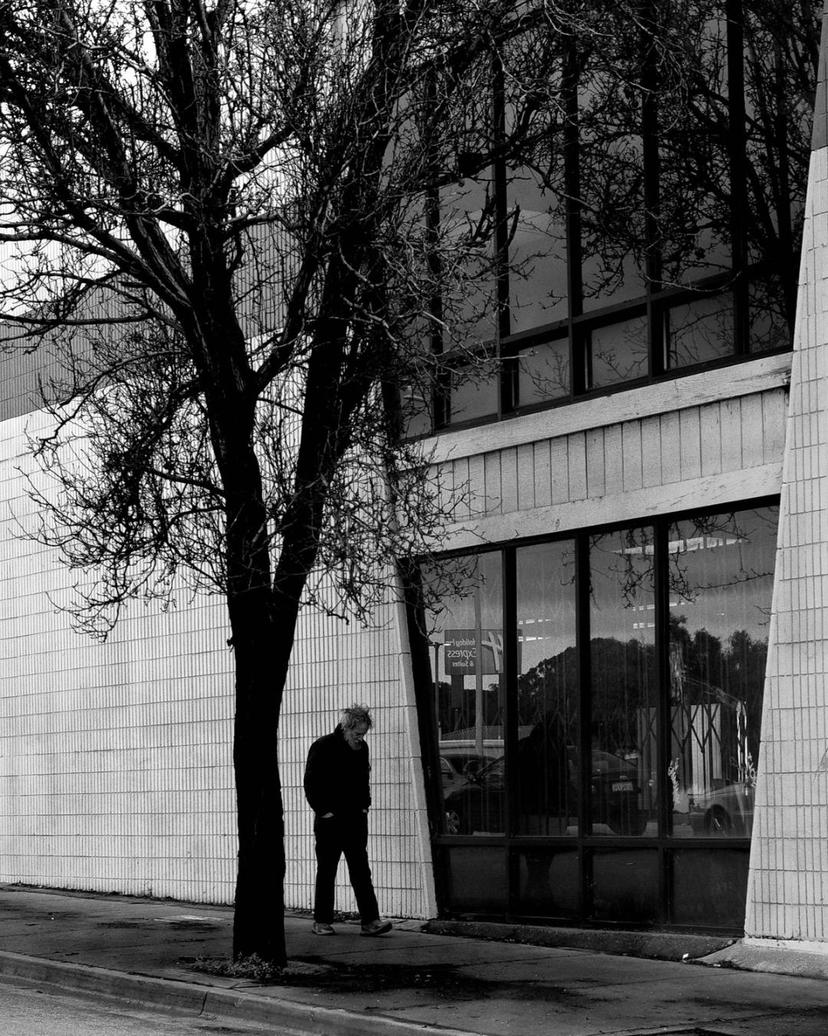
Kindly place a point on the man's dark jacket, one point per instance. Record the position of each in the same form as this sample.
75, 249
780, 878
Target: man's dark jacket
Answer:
337, 776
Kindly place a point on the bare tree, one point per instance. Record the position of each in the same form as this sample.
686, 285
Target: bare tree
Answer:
216, 223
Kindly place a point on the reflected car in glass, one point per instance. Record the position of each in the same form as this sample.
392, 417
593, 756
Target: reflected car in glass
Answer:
723, 812
478, 805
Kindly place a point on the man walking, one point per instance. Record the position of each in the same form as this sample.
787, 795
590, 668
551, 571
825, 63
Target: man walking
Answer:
337, 786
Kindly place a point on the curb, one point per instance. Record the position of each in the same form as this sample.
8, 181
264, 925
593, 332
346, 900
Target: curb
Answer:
287, 1016
670, 946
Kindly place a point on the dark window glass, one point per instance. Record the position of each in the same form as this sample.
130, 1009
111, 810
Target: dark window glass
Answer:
709, 887
625, 885
778, 101
617, 352
693, 222
477, 878
721, 580
547, 756
549, 882
699, 331
623, 782
611, 175
771, 313
467, 663
475, 392
467, 229
537, 254
416, 411
543, 373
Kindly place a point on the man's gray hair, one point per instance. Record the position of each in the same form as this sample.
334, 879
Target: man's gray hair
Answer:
356, 716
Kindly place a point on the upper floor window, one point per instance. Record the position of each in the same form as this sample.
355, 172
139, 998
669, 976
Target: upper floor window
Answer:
652, 222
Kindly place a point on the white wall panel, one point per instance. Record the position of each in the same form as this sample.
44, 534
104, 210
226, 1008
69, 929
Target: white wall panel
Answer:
722, 452
116, 760
787, 901
596, 461
632, 458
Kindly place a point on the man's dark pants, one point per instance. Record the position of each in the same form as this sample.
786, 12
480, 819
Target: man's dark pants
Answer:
343, 834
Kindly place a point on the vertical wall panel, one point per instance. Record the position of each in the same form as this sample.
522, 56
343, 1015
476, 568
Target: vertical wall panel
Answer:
752, 431
632, 459
596, 473
494, 488
577, 467
671, 460
559, 469
614, 459
508, 480
711, 441
651, 451
731, 434
525, 477
543, 474
690, 443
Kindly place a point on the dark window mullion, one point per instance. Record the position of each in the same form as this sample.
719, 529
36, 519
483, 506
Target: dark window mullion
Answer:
737, 146
582, 639
652, 202
572, 187
507, 401
441, 414
510, 719
661, 576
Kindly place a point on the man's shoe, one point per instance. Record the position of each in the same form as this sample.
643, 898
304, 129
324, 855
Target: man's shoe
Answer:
377, 927
320, 928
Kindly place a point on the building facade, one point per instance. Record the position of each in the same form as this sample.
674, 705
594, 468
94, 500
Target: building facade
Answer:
616, 716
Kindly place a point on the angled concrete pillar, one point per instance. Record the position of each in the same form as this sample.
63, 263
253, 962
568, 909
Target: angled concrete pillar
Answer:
787, 902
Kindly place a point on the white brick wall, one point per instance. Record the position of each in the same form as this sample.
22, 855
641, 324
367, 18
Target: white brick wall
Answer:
115, 759
788, 888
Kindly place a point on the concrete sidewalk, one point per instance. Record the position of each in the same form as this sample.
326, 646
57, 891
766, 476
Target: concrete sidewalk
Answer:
411, 981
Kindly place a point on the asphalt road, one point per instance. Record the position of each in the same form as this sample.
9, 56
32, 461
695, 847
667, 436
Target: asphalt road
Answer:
27, 1009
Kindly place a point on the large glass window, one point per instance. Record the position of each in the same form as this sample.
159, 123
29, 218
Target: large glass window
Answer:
537, 254
602, 751
617, 352
647, 217
543, 372
467, 646
623, 785
720, 582
548, 705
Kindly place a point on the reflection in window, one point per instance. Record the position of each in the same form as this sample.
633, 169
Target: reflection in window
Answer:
549, 882
699, 331
416, 411
695, 197
467, 222
771, 315
721, 578
475, 393
467, 668
618, 352
613, 225
547, 757
624, 698
543, 373
537, 255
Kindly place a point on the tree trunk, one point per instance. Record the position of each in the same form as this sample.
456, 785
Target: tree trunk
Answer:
263, 641
261, 650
